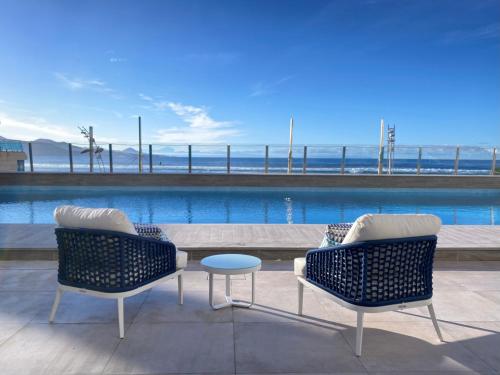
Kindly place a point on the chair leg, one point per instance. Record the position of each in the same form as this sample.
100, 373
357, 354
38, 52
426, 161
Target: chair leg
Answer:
359, 333
432, 313
120, 317
180, 289
301, 297
55, 305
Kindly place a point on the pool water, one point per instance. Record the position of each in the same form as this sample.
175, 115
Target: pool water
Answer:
251, 205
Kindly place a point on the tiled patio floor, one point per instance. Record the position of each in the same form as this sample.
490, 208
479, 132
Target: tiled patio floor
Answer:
164, 338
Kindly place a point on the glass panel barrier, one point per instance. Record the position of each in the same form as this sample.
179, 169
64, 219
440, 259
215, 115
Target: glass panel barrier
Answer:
438, 160
475, 160
324, 159
278, 159
361, 160
248, 159
170, 158
209, 159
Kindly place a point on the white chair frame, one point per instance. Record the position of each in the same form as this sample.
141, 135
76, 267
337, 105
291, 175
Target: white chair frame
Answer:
361, 310
118, 296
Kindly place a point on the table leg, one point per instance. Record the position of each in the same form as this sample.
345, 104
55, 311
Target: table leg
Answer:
211, 289
228, 288
253, 288
229, 299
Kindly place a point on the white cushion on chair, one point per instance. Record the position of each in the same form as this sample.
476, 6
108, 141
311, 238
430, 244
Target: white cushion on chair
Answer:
181, 259
299, 266
93, 218
378, 227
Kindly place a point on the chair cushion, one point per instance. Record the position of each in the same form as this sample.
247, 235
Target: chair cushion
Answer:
383, 226
181, 259
151, 231
93, 218
299, 266
334, 234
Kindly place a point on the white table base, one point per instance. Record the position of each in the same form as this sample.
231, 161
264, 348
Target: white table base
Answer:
229, 300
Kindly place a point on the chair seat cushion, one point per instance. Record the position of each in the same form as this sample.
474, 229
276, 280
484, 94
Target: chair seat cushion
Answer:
299, 267
93, 218
383, 226
181, 259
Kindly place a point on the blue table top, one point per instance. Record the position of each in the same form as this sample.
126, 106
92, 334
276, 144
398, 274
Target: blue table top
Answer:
231, 261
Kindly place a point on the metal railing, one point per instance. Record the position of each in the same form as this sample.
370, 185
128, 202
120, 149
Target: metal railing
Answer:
265, 159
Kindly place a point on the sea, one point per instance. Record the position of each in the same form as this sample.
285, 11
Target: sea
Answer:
256, 165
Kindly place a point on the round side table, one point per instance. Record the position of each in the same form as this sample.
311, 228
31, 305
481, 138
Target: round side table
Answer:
230, 264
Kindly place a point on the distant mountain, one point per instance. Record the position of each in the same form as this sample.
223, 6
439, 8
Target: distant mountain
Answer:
52, 152
130, 150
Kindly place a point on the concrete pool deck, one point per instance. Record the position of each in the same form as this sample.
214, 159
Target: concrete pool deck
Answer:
270, 338
268, 241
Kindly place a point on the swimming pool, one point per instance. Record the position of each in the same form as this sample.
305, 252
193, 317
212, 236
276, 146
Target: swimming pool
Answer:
251, 205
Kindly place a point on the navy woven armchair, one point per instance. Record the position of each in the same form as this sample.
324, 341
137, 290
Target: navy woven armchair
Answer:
116, 265
373, 275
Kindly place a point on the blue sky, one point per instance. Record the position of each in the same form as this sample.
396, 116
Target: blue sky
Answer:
234, 71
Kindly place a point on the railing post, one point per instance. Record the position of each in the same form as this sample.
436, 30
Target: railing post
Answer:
419, 160
110, 158
228, 159
494, 161
70, 151
150, 158
457, 156
304, 164
190, 160
30, 151
140, 145
266, 160
91, 149
342, 162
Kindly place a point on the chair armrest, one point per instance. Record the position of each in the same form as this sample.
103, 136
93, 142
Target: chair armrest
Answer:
338, 270
150, 231
375, 273
111, 261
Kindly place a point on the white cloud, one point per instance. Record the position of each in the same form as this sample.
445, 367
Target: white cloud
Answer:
491, 31
78, 84
32, 128
199, 126
189, 135
145, 97
114, 60
267, 88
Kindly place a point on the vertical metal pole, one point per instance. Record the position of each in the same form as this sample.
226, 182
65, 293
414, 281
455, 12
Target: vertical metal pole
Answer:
457, 156
342, 163
494, 161
91, 149
150, 158
190, 165
140, 145
266, 160
381, 161
290, 148
30, 151
419, 160
228, 159
110, 158
381, 148
70, 151
304, 164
